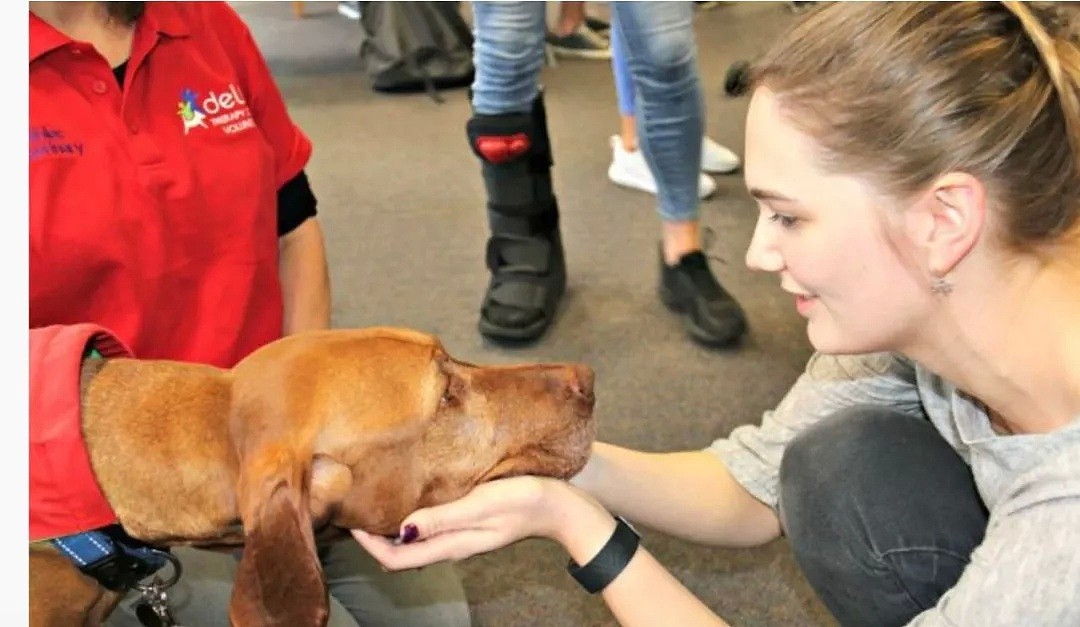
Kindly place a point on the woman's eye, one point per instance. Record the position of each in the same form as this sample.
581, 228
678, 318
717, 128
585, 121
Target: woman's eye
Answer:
784, 221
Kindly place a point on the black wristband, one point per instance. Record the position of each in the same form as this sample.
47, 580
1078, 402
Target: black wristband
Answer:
610, 561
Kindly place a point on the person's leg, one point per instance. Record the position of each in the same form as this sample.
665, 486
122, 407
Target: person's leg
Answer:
882, 514
571, 16
624, 93
714, 157
572, 35
201, 597
508, 132
429, 597
658, 39
628, 166
508, 52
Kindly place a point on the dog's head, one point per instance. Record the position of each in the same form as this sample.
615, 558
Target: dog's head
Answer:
357, 429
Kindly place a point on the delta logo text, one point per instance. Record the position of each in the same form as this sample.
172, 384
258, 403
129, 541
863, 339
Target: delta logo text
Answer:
224, 110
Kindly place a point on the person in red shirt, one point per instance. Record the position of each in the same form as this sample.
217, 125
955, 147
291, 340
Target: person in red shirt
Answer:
169, 205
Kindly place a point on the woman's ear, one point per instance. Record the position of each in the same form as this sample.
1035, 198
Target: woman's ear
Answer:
955, 215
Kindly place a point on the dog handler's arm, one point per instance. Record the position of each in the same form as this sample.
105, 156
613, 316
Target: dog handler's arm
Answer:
305, 280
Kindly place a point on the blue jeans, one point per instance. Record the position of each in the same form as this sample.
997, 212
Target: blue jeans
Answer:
658, 38
882, 514
620, 71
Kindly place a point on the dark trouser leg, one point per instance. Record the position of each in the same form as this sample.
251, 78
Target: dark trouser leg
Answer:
881, 512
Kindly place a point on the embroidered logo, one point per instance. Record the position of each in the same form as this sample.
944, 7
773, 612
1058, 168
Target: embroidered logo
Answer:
226, 110
49, 141
191, 114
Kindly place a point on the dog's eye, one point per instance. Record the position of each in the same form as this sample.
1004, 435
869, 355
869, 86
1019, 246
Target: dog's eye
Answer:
448, 392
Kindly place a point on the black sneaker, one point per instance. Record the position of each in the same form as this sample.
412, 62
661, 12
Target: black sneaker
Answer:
711, 316
598, 26
583, 43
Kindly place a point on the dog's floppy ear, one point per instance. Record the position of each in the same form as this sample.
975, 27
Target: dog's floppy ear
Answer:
279, 581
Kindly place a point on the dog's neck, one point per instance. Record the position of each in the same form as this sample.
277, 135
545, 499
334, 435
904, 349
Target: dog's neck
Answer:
159, 444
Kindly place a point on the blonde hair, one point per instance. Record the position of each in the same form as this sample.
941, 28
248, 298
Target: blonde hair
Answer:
904, 92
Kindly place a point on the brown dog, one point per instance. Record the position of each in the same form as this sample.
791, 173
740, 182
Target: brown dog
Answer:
347, 429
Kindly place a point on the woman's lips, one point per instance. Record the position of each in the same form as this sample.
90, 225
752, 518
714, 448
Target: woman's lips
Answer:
804, 303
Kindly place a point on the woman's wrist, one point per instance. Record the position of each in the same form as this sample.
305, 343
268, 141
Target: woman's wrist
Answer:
586, 478
580, 524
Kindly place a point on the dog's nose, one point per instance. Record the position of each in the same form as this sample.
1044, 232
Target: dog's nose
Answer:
581, 381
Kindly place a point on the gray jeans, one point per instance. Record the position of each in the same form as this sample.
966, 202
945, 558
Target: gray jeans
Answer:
882, 514
361, 593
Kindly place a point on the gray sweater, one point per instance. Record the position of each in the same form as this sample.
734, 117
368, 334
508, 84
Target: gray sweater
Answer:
1027, 569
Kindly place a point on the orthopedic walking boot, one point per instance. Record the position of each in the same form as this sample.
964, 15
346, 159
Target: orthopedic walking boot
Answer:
524, 252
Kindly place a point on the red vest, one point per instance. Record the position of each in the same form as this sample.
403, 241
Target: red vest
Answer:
64, 494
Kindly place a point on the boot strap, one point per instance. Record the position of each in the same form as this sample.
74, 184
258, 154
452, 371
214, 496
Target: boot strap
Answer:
518, 294
519, 255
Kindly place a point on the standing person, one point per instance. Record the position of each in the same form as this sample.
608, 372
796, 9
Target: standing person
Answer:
508, 132
917, 171
628, 166
169, 204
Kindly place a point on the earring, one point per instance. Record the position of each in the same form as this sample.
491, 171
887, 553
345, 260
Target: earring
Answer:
941, 285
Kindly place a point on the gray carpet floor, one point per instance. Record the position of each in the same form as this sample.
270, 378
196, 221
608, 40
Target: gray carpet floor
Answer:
401, 202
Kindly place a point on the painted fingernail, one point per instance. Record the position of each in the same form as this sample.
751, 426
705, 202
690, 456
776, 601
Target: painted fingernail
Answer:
409, 534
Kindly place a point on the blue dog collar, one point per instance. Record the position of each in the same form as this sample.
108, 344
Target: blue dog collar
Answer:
111, 556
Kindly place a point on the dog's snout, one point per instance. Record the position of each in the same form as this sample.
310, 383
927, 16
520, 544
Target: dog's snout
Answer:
581, 380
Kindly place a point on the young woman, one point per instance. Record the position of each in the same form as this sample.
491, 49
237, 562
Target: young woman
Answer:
917, 170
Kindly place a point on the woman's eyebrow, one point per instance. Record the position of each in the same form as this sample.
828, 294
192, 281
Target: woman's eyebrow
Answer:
766, 194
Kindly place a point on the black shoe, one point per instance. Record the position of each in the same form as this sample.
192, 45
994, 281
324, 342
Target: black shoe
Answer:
710, 314
598, 26
528, 278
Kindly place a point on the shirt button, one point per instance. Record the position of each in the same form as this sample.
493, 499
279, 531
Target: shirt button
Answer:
76, 52
100, 87
134, 128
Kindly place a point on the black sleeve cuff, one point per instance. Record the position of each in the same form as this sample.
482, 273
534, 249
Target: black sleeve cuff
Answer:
295, 203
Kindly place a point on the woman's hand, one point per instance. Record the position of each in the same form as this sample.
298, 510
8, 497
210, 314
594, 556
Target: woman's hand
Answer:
490, 517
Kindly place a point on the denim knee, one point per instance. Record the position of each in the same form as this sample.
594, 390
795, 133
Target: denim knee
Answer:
671, 59
508, 53
660, 39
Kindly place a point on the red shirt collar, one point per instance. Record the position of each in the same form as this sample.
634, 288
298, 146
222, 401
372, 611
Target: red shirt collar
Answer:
159, 17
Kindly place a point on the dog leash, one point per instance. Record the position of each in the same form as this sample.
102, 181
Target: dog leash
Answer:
152, 609
118, 562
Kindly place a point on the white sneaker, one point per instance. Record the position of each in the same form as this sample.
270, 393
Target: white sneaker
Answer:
716, 158
350, 10
629, 169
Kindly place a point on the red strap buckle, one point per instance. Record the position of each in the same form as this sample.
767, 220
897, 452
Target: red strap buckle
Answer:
502, 148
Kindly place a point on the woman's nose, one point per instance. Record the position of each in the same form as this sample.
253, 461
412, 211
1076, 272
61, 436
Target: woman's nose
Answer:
762, 254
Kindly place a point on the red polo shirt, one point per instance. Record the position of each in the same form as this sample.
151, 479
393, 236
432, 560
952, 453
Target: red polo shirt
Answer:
153, 207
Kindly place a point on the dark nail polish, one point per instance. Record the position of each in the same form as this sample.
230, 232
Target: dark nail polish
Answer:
409, 534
